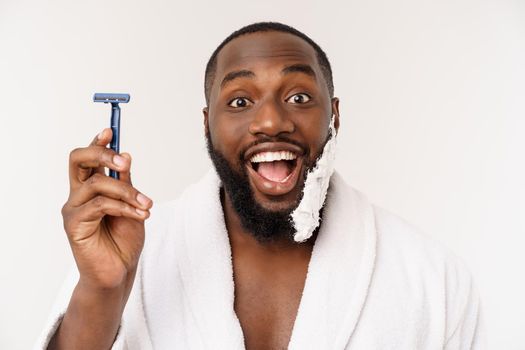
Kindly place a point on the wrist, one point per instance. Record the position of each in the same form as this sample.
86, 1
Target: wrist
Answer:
107, 282
88, 290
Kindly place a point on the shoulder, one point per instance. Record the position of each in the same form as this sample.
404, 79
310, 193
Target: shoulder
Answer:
424, 266
416, 283
399, 240
402, 251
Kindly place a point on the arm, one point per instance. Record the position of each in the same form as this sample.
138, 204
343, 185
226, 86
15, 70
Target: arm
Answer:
104, 222
91, 320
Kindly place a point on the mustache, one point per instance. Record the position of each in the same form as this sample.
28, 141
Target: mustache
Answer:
261, 139
278, 138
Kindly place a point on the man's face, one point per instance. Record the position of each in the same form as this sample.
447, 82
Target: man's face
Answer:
269, 101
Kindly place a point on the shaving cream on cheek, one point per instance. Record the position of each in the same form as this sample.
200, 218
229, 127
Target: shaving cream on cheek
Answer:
305, 217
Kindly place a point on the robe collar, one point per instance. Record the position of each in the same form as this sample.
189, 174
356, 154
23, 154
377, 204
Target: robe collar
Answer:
337, 281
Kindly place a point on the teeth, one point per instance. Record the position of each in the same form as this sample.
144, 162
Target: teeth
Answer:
272, 156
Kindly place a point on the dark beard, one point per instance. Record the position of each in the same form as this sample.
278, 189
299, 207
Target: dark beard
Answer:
264, 225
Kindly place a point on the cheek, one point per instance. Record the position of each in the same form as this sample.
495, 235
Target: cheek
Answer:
227, 134
315, 133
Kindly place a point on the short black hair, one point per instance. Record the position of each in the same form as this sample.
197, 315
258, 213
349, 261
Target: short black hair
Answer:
266, 27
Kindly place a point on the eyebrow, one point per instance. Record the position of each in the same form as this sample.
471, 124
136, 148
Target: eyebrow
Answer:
244, 73
237, 74
299, 68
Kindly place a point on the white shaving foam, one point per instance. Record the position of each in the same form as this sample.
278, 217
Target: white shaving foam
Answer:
305, 217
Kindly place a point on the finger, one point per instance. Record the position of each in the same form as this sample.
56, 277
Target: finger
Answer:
82, 162
125, 176
103, 138
98, 207
106, 186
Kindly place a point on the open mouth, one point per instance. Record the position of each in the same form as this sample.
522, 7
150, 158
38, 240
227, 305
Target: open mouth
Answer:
274, 166
274, 172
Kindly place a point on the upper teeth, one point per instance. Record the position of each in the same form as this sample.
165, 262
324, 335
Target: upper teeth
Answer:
272, 156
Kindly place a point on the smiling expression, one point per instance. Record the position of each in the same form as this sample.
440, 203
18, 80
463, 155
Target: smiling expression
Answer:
269, 111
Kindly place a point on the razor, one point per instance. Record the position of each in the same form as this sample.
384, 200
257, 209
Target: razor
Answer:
114, 99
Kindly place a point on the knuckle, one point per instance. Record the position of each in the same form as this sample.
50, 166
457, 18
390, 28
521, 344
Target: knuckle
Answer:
67, 219
64, 210
73, 153
128, 192
123, 207
99, 202
95, 179
106, 155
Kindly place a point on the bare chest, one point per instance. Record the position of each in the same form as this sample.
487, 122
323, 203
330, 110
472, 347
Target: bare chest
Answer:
266, 304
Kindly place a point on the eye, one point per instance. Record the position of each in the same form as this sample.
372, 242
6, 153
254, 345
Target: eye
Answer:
239, 102
298, 98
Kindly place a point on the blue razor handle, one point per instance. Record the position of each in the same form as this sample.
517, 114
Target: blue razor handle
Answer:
114, 99
115, 140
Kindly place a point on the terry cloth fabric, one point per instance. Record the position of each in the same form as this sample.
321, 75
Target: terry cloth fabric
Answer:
373, 282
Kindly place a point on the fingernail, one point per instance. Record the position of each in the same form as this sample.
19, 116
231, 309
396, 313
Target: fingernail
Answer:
99, 136
140, 212
119, 161
142, 199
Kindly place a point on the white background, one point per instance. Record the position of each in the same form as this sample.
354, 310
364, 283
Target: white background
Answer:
432, 123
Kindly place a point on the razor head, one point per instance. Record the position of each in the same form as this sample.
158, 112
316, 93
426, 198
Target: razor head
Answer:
111, 98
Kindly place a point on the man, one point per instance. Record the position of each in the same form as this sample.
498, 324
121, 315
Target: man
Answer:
272, 250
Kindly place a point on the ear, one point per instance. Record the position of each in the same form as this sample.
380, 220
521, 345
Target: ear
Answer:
206, 124
335, 112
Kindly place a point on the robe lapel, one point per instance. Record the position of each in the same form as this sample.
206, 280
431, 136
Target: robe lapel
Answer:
206, 267
339, 272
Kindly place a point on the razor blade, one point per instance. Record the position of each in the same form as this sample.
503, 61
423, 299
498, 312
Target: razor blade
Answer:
111, 98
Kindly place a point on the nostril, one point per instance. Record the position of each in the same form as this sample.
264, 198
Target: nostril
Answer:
271, 124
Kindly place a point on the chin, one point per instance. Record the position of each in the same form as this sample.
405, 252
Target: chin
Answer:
276, 205
286, 202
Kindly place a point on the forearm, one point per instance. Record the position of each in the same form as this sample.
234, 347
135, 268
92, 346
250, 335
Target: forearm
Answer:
91, 320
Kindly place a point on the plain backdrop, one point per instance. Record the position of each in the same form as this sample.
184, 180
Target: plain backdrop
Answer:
432, 123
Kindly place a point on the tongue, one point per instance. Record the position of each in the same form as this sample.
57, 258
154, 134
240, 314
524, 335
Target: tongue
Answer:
274, 171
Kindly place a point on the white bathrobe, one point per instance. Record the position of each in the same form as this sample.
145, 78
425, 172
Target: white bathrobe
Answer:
373, 282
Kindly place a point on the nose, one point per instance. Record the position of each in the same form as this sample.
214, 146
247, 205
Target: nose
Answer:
271, 120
